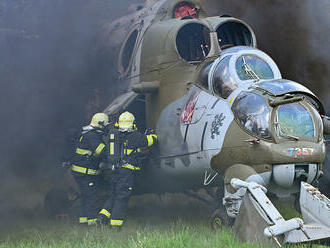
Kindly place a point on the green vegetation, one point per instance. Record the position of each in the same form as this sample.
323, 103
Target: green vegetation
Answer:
178, 234
152, 223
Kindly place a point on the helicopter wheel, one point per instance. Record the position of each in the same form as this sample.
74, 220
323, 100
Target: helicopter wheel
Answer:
219, 219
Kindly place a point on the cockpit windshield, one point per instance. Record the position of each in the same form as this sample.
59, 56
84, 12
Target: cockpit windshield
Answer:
253, 114
295, 120
251, 67
223, 80
240, 67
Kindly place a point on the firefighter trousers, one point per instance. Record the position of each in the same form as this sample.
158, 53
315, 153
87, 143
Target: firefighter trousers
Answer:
88, 188
121, 188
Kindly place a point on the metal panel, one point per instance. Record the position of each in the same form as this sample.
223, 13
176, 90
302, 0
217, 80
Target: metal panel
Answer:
196, 127
219, 117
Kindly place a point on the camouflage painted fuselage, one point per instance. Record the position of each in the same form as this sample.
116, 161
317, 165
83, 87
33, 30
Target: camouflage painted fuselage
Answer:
219, 105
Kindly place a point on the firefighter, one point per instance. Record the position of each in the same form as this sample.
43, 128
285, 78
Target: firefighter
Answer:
125, 144
90, 151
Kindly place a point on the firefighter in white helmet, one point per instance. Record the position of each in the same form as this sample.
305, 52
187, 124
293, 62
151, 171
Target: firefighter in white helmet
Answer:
125, 144
89, 152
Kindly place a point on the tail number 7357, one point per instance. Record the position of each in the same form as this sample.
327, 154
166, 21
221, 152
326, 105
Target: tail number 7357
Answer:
297, 152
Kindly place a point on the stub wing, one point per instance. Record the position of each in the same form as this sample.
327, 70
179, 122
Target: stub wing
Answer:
121, 103
315, 209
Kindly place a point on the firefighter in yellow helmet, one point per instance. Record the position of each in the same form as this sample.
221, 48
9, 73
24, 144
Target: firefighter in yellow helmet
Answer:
124, 146
90, 151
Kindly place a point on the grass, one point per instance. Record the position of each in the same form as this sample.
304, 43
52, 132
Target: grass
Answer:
177, 234
151, 224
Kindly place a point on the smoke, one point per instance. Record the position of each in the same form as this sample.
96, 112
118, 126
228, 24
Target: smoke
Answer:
51, 82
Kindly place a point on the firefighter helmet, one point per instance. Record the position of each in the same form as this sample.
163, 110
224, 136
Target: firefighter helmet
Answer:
99, 120
126, 120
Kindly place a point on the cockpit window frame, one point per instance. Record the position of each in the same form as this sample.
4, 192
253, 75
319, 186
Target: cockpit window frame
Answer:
211, 74
271, 139
313, 113
130, 48
273, 114
255, 79
235, 55
214, 84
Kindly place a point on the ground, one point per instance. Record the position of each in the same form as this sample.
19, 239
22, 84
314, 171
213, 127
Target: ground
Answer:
153, 222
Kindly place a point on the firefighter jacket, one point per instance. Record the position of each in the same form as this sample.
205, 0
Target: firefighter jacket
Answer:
89, 152
125, 147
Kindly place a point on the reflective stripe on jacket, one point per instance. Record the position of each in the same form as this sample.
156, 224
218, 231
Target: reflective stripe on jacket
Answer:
90, 150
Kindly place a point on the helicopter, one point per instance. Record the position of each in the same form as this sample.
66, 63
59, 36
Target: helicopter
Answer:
224, 116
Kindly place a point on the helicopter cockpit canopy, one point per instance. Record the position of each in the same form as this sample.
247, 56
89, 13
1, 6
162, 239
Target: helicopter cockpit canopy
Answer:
296, 119
253, 79
251, 67
240, 66
253, 114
